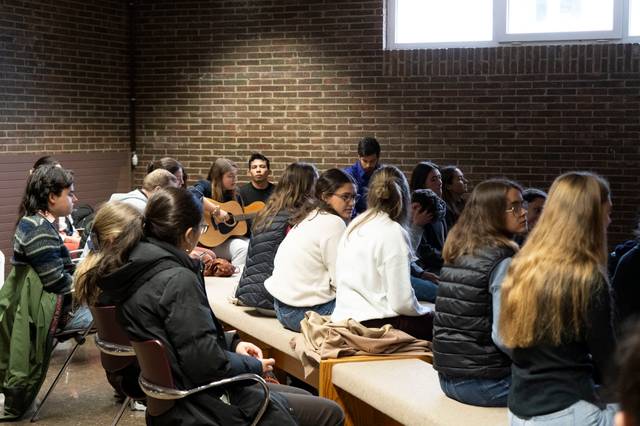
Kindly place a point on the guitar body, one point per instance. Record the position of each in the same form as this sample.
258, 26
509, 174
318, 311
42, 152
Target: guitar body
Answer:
235, 225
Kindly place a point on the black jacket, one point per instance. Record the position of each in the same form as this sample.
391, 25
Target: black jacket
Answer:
259, 266
429, 250
160, 294
626, 287
462, 344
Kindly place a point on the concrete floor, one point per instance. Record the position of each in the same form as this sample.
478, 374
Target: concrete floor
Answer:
83, 396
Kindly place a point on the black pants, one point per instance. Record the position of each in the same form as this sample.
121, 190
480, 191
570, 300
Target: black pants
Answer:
310, 410
419, 327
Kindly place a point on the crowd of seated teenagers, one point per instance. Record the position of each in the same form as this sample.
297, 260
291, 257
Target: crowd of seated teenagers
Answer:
481, 246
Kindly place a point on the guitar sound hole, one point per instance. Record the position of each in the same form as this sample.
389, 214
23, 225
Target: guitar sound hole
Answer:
231, 221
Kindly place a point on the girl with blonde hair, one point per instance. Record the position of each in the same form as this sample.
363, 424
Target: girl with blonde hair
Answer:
116, 229
372, 266
556, 308
472, 367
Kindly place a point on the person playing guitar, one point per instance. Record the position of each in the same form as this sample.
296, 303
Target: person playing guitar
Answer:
221, 185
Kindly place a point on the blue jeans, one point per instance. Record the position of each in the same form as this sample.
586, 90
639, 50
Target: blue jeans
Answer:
81, 318
425, 290
480, 392
581, 413
290, 316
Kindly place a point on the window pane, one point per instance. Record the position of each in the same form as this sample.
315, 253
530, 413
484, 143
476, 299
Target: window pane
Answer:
558, 16
634, 17
438, 21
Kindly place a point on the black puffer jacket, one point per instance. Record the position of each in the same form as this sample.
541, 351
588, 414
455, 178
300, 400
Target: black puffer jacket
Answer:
160, 294
259, 266
462, 344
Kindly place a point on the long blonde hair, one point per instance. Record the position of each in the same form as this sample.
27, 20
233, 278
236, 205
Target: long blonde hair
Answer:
293, 190
482, 222
117, 228
388, 193
548, 288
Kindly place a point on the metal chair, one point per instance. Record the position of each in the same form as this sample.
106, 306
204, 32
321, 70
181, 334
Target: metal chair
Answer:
156, 380
116, 354
80, 336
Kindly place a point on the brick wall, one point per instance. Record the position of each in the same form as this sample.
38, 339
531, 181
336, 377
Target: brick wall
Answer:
305, 80
63, 76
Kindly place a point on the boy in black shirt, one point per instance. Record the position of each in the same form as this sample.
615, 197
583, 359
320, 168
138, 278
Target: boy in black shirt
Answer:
259, 188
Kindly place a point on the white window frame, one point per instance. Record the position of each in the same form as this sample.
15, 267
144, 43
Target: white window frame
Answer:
619, 34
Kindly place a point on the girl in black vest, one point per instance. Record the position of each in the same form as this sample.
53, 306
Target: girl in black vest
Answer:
160, 294
269, 229
556, 310
471, 366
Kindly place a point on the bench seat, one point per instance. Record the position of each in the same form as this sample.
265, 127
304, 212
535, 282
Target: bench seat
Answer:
408, 391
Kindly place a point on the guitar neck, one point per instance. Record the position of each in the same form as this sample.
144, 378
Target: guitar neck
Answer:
244, 216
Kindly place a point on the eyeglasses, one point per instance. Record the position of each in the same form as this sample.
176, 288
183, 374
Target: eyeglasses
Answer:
348, 196
204, 228
517, 207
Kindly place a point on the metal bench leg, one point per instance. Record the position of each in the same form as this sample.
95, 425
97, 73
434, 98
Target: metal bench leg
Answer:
123, 407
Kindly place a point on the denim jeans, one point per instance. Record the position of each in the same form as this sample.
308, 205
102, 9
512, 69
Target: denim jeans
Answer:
480, 392
290, 316
581, 413
425, 290
81, 318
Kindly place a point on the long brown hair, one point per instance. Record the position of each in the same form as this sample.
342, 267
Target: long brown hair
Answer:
388, 193
293, 190
216, 172
482, 222
548, 287
327, 184
117, 228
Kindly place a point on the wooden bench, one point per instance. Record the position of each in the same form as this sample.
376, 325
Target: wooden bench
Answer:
404, 391
274, 339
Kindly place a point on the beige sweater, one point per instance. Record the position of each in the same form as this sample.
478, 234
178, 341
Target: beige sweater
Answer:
322, 339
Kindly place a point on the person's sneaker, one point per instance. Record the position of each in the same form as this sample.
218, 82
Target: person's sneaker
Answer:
136, 406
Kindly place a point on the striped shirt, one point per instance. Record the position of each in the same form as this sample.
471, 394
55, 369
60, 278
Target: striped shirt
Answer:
37, 243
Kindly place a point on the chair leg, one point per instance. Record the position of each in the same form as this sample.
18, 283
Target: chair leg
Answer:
79, 340
123, 407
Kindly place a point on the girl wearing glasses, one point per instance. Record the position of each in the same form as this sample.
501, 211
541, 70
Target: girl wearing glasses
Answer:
270, 227
160, 294
372, 270
472, 367
556, 313
303, 276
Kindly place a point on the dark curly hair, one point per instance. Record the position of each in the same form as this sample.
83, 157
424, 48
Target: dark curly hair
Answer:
45, 180
430, 202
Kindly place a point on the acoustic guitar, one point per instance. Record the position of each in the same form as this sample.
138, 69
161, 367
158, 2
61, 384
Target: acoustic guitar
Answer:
234, 225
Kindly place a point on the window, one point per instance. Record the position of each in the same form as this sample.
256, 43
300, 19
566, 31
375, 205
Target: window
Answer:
634, 18
472, 23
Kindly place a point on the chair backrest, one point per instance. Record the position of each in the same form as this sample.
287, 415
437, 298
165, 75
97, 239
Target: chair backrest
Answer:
154, 363
109, 330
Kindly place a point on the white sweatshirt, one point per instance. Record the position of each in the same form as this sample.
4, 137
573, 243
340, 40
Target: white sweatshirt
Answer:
372, 272
304, 266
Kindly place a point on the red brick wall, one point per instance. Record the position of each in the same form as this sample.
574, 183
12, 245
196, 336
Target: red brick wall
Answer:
305, 80
63, 76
